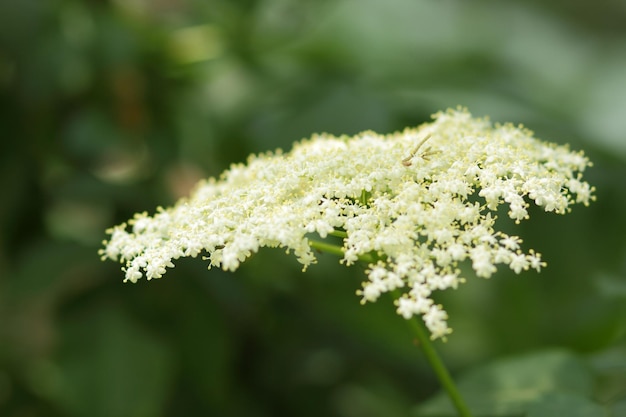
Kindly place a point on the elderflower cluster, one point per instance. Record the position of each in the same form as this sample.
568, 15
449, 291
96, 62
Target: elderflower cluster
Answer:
416, 205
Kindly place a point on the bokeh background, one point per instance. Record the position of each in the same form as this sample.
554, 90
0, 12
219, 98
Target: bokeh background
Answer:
108, 108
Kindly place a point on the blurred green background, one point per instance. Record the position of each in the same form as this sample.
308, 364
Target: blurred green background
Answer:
108, 108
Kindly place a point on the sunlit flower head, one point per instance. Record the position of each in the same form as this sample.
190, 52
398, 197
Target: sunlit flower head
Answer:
414, 205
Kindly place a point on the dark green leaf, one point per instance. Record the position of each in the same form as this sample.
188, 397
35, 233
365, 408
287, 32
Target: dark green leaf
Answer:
507, 387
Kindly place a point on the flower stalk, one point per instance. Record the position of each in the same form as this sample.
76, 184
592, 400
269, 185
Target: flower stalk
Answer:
424, 341
436, 363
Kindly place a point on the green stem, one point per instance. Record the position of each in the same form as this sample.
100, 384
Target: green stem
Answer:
326, 247
438, 366
422, 335
337, 250
339, 233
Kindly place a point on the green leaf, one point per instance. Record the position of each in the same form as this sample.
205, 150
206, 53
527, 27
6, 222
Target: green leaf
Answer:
562, 404
508, 387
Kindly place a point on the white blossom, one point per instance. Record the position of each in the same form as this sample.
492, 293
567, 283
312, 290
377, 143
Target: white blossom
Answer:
416, 205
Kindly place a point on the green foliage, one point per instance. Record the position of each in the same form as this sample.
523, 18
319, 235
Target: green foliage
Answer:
110, 108
132, 368
545, 383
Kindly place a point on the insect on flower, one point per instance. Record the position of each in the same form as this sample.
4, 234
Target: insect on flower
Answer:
424, 155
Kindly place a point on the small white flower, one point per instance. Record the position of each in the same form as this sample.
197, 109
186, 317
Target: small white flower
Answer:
511, 242
519, 262
417, 210
436, 321
481, 261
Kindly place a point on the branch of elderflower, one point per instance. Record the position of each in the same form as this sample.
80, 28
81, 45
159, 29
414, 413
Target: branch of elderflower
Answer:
414, 205
413, 212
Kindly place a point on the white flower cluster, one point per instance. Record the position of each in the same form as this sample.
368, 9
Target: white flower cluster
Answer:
416, 204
